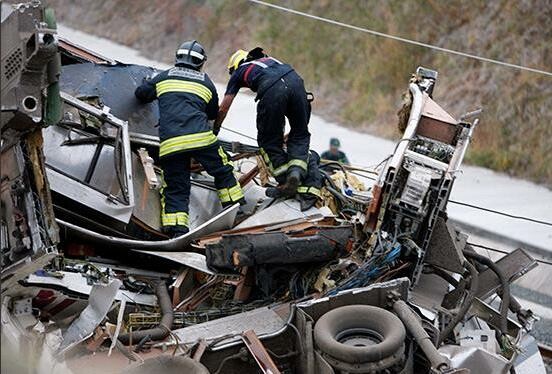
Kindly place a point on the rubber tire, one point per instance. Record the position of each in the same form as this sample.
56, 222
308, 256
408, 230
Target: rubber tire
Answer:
379, 320
167, 364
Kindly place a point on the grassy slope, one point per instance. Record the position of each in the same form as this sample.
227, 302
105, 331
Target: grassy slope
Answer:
358, 79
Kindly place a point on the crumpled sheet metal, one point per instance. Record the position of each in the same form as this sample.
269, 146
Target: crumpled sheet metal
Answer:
100, 301
478, 360
75, 283
193, 260
228, 329
115, 86
282, 211
529, 360
222, 221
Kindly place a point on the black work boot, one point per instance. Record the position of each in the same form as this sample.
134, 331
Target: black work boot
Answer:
306, 201
241, 201
292, 182
175, 231
274, 192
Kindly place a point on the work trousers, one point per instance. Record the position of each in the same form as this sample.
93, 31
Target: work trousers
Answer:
285, 98
175, 194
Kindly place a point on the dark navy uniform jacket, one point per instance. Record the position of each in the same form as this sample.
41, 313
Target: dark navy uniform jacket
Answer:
258, 75
187, 100
339, 157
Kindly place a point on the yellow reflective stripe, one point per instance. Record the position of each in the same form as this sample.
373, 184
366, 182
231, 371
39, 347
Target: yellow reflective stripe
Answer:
280, 170
193, 90
233, 194
185, 142
187, 137
265, 156
184, 88
275, 171
224, 157
236, 192
175, 85
306, 189
173, 219
299, 163
224, 195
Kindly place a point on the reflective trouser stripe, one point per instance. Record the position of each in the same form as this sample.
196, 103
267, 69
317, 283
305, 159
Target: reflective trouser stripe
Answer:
232, 194
174, 219
187, 142
171, 219
224, 157
282, 169
276, 172
236, 192
299, 163
306, 189
176, 85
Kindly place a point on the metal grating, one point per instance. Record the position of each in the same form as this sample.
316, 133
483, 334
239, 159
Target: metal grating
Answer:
13, 64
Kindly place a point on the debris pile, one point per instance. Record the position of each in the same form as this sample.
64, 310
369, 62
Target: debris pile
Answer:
374, 279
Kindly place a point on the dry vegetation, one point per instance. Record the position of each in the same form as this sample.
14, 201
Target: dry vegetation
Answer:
358, 79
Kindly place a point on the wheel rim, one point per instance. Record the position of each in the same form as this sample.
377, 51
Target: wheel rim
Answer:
359, 337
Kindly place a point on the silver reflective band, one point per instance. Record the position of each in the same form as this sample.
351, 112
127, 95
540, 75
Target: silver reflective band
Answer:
278, 61
192, 53
258, 63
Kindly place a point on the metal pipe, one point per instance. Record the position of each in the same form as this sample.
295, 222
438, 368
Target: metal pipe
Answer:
176, 244
413, 120
461, 148
505, 304
466, 304
414, 327
167, 316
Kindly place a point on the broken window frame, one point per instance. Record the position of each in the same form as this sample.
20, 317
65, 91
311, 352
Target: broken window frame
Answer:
119, 207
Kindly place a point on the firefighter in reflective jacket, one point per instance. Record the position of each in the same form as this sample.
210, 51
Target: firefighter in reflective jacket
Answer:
280, 94
187, 100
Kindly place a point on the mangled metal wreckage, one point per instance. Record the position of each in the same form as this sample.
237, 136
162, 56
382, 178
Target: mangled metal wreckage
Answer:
374, 281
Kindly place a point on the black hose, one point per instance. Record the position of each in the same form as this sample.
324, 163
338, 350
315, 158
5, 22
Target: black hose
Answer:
466, 304
505, 304
163, 330
338, 195
421, 337
443, 274
117, 159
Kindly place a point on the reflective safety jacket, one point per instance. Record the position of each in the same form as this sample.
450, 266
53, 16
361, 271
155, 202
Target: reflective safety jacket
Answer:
187, 100
259, 75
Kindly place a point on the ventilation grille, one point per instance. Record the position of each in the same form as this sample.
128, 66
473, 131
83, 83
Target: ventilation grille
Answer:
13, 64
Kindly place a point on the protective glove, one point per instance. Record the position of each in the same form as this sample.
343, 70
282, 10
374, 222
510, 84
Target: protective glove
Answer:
216, 130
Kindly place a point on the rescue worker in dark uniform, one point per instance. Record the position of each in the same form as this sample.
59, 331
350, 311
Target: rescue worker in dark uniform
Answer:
187, 101
280, 94
334, 153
